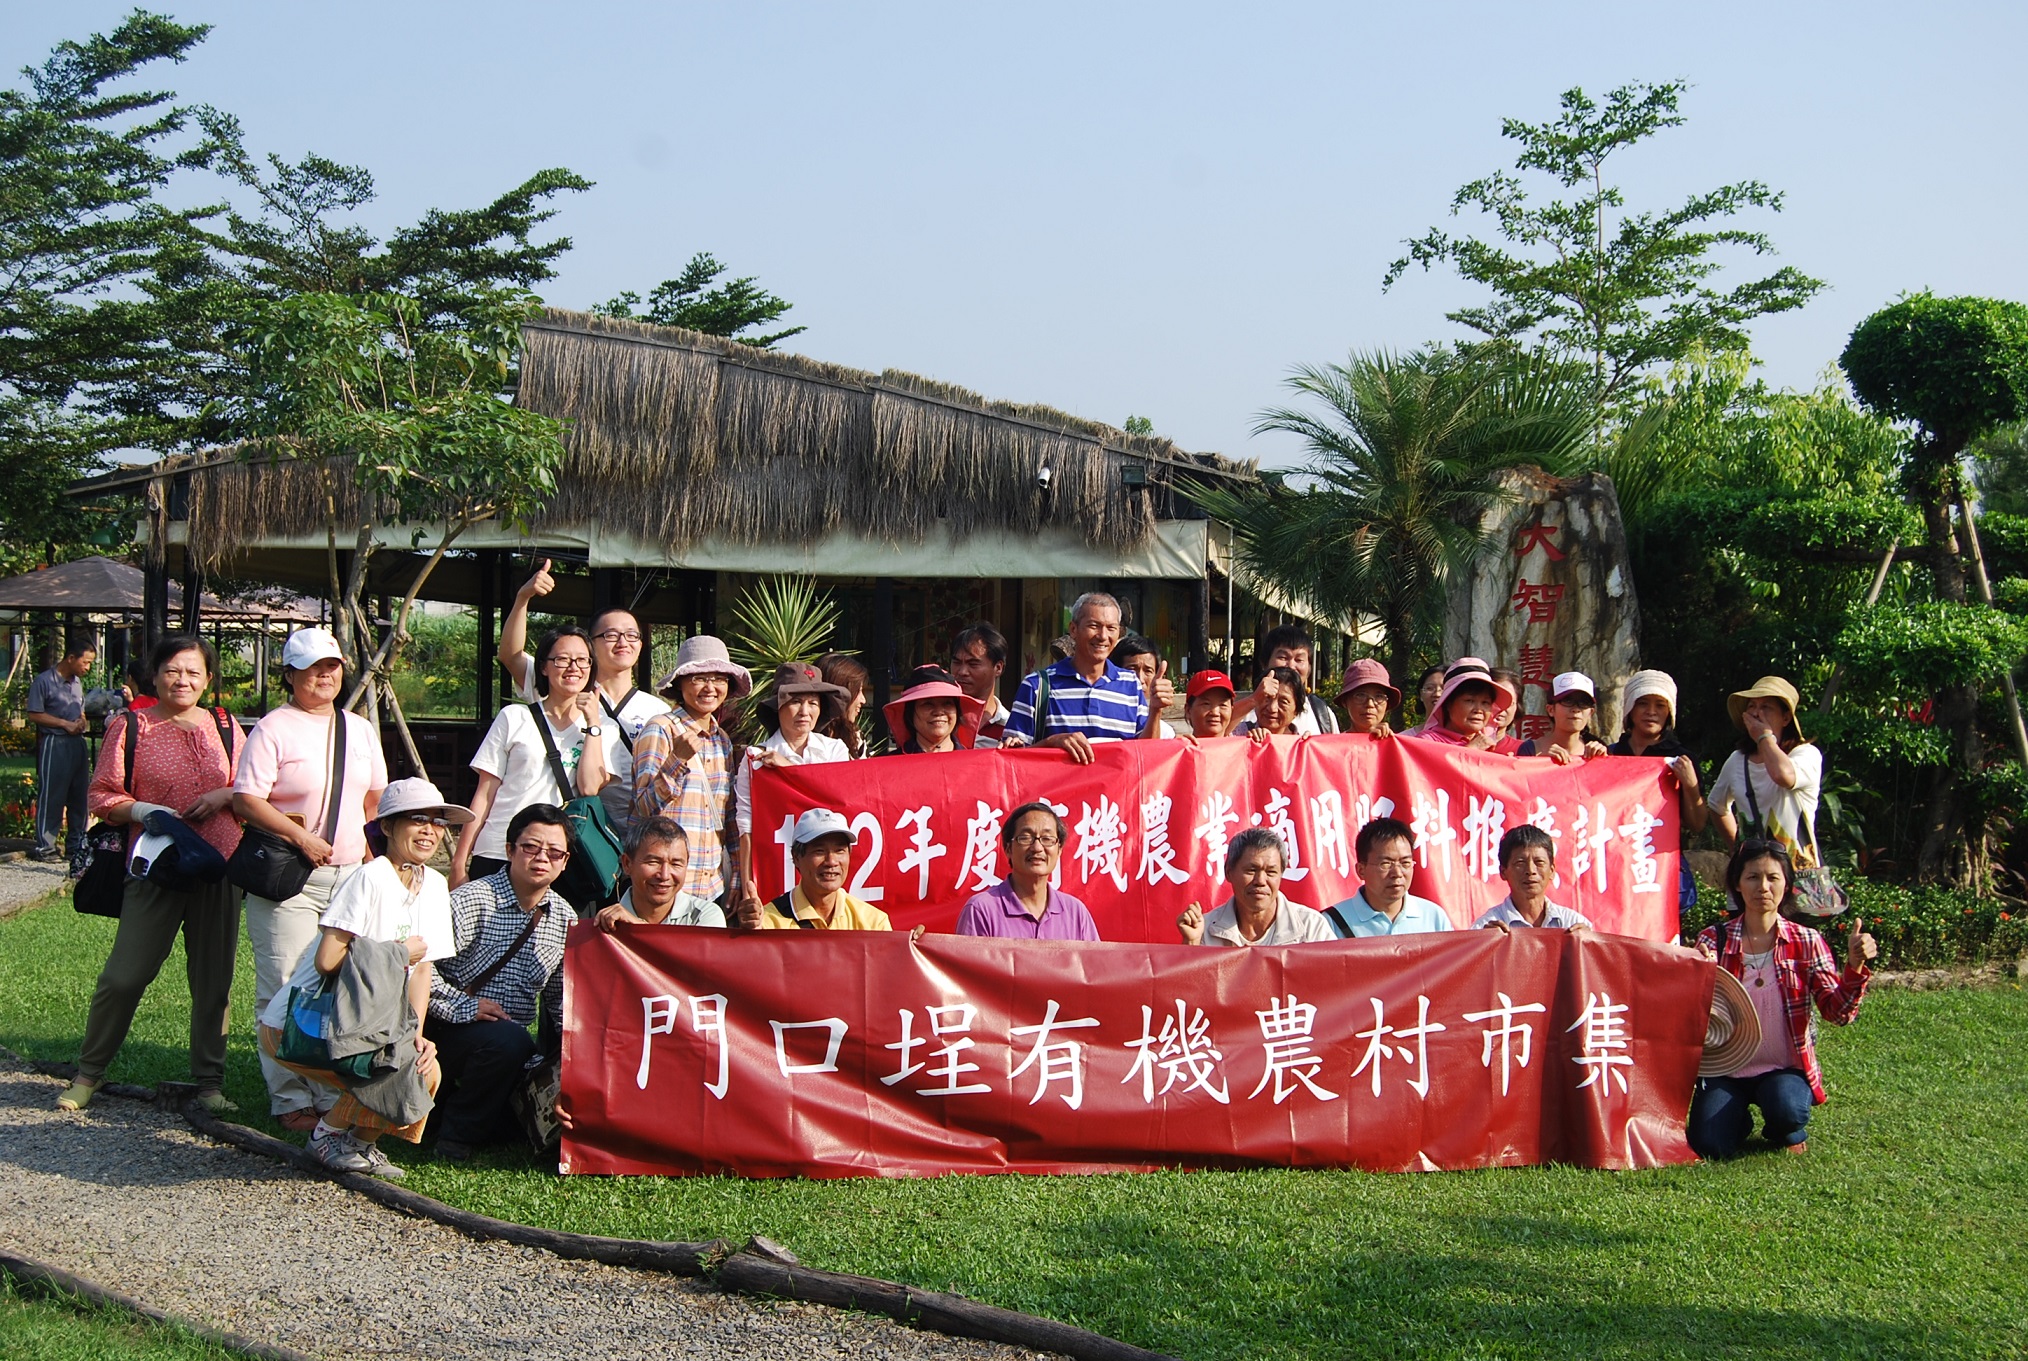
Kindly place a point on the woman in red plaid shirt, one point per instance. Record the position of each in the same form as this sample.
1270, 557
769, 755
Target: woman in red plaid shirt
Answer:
1785, 967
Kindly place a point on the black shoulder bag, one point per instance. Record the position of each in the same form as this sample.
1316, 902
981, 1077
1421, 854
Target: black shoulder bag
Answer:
613, 712
270, 866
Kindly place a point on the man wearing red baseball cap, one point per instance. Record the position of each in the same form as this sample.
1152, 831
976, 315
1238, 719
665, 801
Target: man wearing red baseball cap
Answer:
1208, 704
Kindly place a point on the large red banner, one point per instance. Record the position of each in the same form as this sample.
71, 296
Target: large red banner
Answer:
1149, 822
829, 1054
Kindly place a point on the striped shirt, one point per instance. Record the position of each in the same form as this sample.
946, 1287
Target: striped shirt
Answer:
695, 792
486, 918
1110, 709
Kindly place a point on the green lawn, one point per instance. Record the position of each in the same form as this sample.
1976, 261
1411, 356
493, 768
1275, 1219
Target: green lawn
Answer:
49, 1329
1903, 1232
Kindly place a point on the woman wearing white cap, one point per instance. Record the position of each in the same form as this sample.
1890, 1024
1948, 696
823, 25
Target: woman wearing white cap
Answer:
291, 786
683, 759
1650, 730
396, 897
514, 759
1571, 702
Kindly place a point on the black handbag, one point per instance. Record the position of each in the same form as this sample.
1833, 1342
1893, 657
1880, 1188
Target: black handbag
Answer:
102, 885
270, 866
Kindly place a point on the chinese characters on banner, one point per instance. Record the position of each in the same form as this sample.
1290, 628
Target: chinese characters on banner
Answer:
1149, 823
859, 1054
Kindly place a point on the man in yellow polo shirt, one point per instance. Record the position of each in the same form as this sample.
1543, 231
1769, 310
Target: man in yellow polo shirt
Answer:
822, 848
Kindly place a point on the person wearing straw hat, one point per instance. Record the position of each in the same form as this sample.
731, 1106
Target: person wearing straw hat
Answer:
1572, 700
797, 703
394, 897
1775, 775
1367, 693
683, 760
1528, 864
1786, 967
932, 714
1470, 697
1650, 730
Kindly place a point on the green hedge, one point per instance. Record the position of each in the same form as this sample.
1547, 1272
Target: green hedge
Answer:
1917, 927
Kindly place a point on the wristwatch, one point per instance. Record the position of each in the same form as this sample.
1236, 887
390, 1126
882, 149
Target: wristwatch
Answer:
595, 730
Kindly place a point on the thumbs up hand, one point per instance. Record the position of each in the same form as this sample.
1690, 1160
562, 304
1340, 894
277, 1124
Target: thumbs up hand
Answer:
542, 583
1162, 691
1859, 947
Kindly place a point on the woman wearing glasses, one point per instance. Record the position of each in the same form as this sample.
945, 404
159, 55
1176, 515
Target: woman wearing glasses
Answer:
616, 642
513, 761
1023, 906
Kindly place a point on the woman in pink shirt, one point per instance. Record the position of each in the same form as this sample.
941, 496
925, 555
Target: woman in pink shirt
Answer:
183, 764
289, 784
1466, 706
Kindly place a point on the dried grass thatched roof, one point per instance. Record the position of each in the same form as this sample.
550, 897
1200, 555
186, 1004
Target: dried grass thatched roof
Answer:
676, 437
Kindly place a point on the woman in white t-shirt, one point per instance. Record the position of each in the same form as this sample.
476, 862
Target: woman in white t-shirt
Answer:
513, 759
616, 642
800, 699
1771, 785
396, 897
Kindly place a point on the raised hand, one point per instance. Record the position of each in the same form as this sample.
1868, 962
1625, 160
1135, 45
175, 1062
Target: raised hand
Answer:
1191, 925
1161, 690
542, 583
1860, 947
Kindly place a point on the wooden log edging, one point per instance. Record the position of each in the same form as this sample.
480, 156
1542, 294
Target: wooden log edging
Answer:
56, 1281
759, 1268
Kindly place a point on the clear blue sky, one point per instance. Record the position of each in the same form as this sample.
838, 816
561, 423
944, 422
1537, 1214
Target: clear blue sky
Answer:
1115, 209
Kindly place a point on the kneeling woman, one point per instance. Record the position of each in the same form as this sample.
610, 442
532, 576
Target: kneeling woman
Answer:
397, 897
1785, 967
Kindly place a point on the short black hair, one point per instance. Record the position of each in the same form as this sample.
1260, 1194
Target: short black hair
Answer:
1131, 646
1014, 820
1379, 830
657, 828
983, 633
1289, 676
1759, 848
181, 642
1286, 635
609, 612
1253, 839
1525, 837
548, 645
538, 814
80, 641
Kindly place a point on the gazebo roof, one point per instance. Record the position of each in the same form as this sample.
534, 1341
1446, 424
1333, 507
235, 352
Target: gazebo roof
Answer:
100, 585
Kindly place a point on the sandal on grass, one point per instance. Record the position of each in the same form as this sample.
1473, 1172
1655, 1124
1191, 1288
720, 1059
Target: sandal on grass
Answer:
215, 1101
77, 1096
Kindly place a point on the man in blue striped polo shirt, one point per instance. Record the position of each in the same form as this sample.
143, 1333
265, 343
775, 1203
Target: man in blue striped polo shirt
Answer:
1088, 698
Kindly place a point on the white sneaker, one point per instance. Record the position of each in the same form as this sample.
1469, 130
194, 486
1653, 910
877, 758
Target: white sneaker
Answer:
337, 1152
377, 1163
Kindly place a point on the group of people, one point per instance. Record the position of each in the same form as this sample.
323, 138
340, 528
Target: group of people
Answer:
480, 950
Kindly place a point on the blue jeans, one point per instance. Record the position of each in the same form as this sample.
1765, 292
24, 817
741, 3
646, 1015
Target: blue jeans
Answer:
1720, 1119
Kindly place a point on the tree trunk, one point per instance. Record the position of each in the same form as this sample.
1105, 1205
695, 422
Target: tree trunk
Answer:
1957, 706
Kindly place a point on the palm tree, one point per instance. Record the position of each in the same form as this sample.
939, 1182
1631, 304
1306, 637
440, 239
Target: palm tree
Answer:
1405, 454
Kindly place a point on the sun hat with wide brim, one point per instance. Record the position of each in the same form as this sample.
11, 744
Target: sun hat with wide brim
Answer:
1767, 687
800, 678
416, 795
1465, 671
705, 655
933, 682
1366, 672
1732, 1032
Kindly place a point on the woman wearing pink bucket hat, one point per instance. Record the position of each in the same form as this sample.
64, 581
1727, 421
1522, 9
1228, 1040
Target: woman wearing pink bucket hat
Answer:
932, 714
1471, 695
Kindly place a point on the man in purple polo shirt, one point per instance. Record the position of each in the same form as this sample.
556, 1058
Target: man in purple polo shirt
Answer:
1023, 906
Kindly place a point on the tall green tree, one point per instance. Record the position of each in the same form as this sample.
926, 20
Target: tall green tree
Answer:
86, 248
1953, 369
1585, 277
691, 300
1404, 457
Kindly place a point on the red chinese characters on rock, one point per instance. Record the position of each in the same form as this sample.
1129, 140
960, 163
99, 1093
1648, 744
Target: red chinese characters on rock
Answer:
1540, 599
860, 1054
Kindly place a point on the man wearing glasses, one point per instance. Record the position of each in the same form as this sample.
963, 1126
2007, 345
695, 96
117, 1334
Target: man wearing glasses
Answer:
616, 642
508, 971
1023, 906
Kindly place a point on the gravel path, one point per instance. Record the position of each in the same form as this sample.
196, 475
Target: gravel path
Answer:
23, 881
132, 1198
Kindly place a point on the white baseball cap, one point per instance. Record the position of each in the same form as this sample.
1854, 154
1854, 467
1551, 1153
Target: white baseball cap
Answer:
307, 647
1572, 683
822, 822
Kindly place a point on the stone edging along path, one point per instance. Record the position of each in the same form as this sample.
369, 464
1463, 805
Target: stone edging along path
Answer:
760, 1267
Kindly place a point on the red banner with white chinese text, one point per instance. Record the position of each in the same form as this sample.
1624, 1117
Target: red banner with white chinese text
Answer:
831, 1054
1149, 822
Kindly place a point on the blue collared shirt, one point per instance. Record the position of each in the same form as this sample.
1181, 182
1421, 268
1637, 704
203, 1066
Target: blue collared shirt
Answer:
1417, 915
1112, 708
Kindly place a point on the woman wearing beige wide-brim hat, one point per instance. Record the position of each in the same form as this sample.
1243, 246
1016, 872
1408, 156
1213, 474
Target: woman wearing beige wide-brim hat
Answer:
683, 760
1775, 777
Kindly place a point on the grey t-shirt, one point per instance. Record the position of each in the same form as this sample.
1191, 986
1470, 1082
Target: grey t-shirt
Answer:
49, 693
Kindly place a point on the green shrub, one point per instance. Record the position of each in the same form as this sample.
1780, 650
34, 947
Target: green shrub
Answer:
1916, 927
